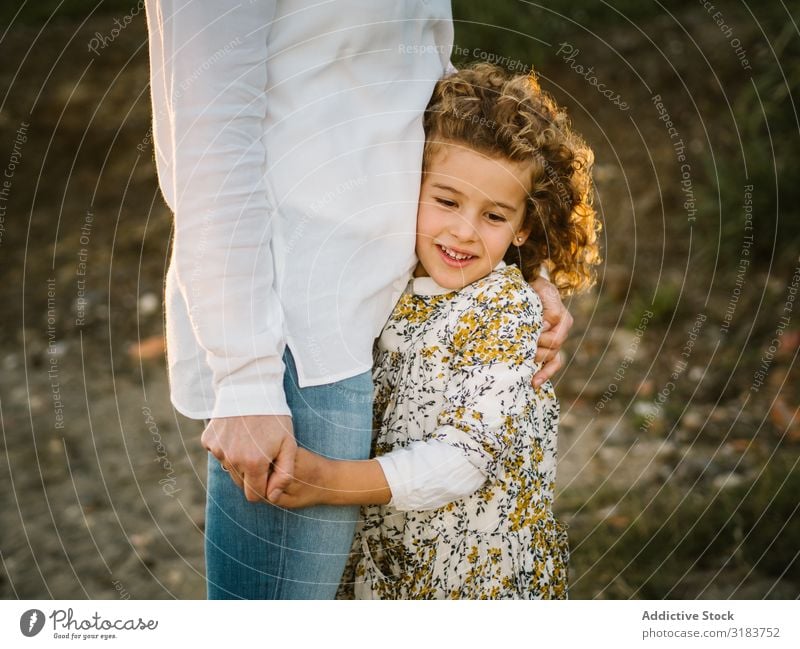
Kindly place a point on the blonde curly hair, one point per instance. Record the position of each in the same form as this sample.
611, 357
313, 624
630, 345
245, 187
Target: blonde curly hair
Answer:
486, 108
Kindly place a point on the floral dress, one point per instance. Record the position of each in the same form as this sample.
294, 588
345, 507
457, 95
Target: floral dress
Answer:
457, 366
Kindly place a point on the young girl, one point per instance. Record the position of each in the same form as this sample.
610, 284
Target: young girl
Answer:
458, 501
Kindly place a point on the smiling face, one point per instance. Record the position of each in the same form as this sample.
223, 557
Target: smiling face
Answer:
471, 209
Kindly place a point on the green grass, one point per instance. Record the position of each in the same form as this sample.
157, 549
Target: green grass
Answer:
750, 526
526, 31
33, 13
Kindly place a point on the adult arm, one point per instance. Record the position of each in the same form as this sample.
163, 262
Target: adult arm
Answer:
208, 84
557, 323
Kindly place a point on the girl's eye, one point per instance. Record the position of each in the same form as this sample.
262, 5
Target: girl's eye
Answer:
496, 218
446, 202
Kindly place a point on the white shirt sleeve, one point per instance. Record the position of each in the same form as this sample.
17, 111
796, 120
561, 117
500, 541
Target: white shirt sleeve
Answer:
208, 67
429, 475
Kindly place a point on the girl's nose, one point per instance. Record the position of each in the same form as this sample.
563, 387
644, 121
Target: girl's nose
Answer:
462, 227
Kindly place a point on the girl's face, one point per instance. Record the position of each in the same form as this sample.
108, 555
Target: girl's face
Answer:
471, 209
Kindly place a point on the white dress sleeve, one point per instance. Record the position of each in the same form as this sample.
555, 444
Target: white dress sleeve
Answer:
208, 74
428, 475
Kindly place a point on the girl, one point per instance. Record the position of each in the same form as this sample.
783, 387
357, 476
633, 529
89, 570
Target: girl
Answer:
458, 500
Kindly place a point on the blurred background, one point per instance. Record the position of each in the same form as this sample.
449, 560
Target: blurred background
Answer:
678, 449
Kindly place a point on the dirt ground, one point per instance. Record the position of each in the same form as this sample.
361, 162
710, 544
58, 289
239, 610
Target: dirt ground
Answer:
104, 483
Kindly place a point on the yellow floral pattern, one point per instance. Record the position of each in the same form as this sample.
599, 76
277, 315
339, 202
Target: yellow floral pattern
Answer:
457, 367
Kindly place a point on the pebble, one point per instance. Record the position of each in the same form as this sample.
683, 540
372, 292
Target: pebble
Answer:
693, 420
727, 481
696, 373
174, 577
645, 409
148, 303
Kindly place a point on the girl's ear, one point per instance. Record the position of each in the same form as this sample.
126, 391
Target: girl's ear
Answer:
521, 236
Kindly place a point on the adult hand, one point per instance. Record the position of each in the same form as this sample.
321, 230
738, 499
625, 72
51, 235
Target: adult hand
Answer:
257, 450
557, 323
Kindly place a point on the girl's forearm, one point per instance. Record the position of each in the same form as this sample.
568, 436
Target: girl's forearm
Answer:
356, 482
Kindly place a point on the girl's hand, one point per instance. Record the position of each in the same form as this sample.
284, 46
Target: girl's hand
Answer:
557, 322
320, 481
308, 486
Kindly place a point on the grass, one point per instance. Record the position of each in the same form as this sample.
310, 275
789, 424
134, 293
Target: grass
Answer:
753, 526
36, 13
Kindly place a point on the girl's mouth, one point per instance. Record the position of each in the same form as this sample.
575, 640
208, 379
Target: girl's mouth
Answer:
453, 258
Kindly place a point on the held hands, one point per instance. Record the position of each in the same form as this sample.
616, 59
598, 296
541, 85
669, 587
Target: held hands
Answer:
309, 485
249, 446
258, 451
557, 323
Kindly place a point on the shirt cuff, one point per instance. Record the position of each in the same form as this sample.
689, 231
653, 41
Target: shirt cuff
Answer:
256, 389
239, 400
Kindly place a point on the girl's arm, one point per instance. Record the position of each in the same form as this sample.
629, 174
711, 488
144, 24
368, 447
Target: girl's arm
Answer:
322, 481
427, 475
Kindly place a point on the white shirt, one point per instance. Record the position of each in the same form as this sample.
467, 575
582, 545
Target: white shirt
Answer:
288, 141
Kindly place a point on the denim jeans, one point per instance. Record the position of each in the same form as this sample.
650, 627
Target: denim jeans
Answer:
260, 551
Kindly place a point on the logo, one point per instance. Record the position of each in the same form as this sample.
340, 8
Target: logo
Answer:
31, 622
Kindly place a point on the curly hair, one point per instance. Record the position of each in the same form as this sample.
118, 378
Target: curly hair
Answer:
486, 108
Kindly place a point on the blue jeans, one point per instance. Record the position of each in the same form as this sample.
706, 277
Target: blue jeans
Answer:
260, 551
